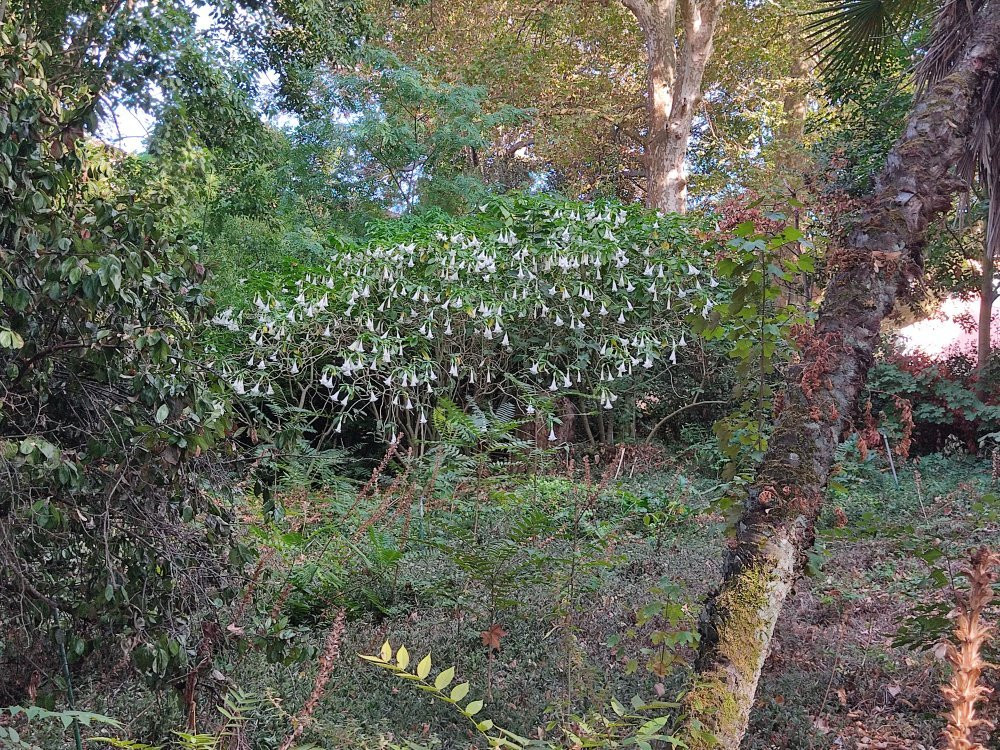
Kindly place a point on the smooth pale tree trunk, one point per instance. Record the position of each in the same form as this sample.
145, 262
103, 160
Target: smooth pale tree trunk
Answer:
675, 68
790, 157
791, 160
873, 262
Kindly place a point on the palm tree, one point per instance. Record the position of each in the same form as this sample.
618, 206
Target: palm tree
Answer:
855, 36
948, 137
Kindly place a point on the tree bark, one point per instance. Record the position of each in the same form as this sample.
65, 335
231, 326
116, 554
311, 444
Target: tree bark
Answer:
790, 157
876, 258
675, 69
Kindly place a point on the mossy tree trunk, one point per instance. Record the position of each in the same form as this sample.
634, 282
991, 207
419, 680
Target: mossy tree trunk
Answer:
876, 257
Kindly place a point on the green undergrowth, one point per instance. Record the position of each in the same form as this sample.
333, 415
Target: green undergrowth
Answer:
595, 593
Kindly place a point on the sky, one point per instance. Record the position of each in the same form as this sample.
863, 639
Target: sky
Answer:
126, 129
951, 330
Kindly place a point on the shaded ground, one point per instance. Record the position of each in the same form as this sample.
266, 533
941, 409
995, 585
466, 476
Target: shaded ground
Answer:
587, 600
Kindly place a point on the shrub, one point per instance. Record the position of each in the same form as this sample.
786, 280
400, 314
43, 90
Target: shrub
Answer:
941, 395
527, 299
108, 530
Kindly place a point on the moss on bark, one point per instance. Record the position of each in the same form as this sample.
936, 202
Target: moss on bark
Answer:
739, 639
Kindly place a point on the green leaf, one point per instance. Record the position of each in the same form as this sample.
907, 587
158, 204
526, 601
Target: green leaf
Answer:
386, 652
459, 691
162, 413
444, 679
474, 708
402, 657
424, 667
10, 339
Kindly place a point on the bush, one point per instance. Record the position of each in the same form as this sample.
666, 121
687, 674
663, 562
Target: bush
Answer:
940, 394
527, 299
110, 533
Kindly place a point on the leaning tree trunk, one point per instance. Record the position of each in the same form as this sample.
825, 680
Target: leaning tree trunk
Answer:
877, 257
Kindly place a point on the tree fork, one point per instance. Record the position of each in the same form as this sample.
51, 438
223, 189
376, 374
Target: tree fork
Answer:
878, 253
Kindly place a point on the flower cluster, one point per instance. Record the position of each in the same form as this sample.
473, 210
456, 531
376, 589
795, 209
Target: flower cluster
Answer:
542, 301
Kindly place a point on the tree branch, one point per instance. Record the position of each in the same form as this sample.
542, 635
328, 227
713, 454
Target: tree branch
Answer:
643, 13
674, 413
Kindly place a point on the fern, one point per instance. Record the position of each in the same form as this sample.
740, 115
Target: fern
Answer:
10, 738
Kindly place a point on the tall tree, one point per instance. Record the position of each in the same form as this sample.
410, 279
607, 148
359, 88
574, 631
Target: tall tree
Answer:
879, 252
571, 64
129, 51
675, 67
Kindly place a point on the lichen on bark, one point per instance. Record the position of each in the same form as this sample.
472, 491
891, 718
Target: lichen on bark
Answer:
740, 642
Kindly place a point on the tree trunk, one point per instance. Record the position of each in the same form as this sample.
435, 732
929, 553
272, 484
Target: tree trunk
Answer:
987, 296
674, 73
875, 259
792, 162
790, 157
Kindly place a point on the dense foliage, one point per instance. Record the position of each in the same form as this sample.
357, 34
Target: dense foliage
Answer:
373, 345
526, 300
108, 530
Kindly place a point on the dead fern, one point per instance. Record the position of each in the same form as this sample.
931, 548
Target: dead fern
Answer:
971, 633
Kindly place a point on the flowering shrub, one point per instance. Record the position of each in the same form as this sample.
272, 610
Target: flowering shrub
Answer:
524, 300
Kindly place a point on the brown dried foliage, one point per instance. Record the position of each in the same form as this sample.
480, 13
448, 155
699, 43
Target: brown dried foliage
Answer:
906, 420
971, 633
331, 652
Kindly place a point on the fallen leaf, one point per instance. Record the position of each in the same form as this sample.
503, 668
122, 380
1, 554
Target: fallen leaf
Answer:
492, 635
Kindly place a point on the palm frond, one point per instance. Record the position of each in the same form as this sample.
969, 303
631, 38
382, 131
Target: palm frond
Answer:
954, 25
987, 137
852, 37
954, 22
